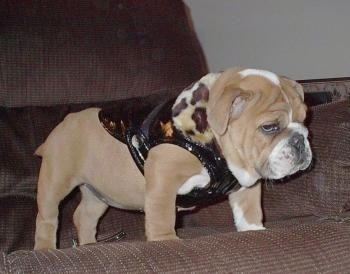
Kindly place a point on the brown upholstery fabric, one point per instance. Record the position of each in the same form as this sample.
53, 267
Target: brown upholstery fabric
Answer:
62, 56
56, 52
337, 89
292, 249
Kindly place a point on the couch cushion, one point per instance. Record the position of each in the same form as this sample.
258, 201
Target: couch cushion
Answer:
303, 248
56, 52
324, 189
17, 227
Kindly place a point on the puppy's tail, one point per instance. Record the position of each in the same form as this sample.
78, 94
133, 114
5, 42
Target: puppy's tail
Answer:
39, 151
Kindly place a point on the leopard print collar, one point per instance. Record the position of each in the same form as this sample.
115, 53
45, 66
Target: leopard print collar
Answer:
189, 112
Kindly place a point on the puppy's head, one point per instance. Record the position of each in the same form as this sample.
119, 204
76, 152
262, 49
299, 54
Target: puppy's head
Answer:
257, 120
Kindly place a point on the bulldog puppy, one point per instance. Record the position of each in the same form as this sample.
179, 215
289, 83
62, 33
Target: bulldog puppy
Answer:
253, 117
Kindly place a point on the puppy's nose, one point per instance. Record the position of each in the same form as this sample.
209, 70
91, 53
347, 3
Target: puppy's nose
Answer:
297, 141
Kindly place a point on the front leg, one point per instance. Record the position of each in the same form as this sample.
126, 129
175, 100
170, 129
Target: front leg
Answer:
246, 208
167, 168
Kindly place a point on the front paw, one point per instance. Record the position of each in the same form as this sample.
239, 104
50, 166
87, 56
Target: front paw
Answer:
165, 237
247, 227
41, 244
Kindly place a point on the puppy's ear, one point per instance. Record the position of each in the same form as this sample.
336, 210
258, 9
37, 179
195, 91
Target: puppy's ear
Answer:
296, 94
230, 105
226, 100
288, 83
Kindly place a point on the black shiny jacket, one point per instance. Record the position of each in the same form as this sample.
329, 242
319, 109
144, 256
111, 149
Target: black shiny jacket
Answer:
125, 123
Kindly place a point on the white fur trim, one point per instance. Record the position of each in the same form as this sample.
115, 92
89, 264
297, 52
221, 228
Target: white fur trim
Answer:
199, 180
241, 223
210, 79
281, 160
244, 178
263, 73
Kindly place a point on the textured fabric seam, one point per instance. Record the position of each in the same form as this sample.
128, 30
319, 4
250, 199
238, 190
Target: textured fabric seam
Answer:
4, 259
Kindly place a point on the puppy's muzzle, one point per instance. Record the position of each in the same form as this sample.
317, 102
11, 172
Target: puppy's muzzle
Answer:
288, 156
297, 142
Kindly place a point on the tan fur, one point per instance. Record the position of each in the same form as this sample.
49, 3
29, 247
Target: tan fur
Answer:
249, 200
71, 154
80, 151
162, 185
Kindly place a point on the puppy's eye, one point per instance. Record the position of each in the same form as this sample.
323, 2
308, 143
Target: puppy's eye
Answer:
270, 128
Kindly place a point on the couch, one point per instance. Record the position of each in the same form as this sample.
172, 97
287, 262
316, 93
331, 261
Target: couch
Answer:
63, 56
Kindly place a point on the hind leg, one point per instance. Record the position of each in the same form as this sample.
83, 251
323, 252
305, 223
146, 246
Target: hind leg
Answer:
86, 216
51, 191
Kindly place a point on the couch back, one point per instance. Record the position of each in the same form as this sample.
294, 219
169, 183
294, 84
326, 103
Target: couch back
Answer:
58, 52
62, 56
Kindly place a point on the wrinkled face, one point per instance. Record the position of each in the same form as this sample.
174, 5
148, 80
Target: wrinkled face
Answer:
289, 155
272, 141
264, 136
